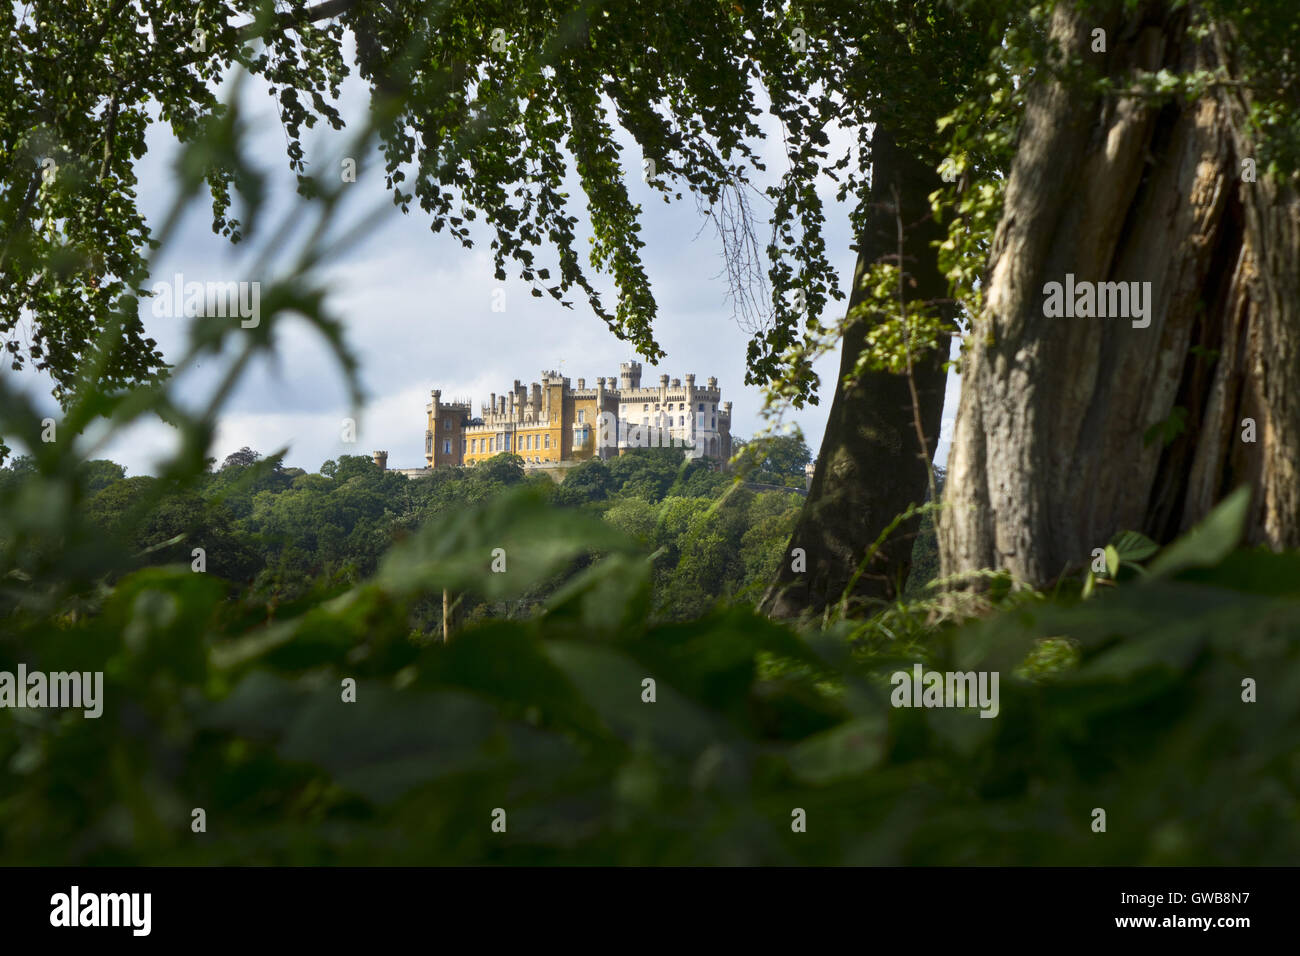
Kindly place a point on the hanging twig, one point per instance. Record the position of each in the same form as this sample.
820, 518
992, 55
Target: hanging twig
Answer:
907, 348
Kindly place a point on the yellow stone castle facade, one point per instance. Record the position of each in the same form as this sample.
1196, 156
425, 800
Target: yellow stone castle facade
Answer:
551, 421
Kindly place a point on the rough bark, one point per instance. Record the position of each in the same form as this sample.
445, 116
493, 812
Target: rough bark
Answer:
870, 468
1050, 456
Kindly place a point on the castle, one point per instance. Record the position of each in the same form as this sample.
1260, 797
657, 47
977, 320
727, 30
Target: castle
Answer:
550, 421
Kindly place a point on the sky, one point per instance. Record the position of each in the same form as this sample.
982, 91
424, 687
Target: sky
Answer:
417, 309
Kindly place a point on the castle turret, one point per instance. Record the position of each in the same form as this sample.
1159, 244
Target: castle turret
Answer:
630, 375
381, 459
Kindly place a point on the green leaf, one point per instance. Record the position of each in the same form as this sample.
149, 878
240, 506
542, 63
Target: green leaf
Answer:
1209, 542
1132, 546
849, 750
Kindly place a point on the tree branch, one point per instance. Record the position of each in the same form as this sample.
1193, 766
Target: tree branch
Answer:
288, 21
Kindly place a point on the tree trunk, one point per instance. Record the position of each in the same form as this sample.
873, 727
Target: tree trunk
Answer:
1053, 451
870, 467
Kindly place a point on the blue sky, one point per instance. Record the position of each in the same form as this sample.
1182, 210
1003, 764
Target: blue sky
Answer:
417, 307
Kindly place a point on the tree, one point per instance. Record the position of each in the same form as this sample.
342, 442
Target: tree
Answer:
101, 473
18, 468
646, 472
777, 454
1135, 165
484, 112
589, 481
244, 458
872, 464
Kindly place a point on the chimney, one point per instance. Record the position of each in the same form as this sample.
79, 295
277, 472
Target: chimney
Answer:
713, 382
381, 459
663, 381
537, 398
677, 383
582, 383
493, 402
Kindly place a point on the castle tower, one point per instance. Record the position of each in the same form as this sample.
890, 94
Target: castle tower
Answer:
444, 436
381, 460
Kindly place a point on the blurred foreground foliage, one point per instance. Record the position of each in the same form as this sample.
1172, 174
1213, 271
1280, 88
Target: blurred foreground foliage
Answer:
544, 717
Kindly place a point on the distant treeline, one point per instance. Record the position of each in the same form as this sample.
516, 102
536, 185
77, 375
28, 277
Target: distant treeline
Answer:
279, 534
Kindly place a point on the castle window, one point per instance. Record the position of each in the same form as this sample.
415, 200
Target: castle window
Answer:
715, 423
701, 406
548, 441
446, 446
581, 416
681, 419
428, 444
446, 424
645, 407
